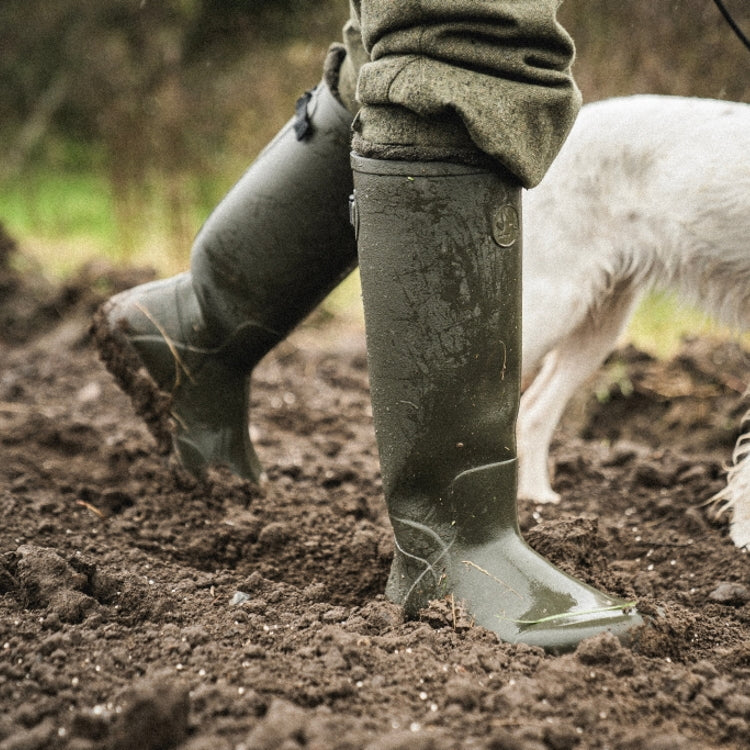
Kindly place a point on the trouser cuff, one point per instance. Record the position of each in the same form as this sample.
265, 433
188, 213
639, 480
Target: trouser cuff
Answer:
383, 131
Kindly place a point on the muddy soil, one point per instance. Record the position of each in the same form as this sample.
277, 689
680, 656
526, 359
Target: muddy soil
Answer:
142, 609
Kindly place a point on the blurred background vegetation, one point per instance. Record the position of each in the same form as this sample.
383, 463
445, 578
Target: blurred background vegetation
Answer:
123, 122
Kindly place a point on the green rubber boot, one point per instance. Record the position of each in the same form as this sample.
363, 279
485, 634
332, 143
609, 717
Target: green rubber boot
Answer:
439, 248
270, 252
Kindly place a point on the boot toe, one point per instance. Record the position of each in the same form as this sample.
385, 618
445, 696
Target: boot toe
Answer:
565, 636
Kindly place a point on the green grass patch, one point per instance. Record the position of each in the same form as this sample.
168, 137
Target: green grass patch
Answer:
662, 321
63, 219
56, 205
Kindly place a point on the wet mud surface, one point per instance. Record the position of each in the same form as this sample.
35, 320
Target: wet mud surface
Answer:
142, 609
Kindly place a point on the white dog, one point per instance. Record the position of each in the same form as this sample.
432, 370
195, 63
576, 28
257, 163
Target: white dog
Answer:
647, 192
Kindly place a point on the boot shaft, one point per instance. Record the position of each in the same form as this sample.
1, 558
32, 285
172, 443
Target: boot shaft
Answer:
440, 261
281, 239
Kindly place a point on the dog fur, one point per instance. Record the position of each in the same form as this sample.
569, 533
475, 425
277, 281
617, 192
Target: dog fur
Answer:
647, 192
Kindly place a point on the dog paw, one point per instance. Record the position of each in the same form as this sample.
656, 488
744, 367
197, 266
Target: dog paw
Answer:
540, 496
740, 533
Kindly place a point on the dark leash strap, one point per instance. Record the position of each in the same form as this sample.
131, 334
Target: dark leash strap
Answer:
735, 27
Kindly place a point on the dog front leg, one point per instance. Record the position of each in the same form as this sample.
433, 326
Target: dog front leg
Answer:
564, 370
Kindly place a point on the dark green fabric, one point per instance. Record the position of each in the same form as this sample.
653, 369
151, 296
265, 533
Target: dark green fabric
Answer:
472, 75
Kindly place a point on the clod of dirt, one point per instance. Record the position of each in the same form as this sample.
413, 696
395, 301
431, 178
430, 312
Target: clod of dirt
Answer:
606, 650
283, 723
154, 716
732, 594
47, 580
39, 737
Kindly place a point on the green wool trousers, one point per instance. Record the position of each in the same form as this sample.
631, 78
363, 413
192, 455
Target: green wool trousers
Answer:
473, 81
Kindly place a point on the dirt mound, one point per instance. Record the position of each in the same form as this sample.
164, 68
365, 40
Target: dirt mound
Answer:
141, 608
31, 305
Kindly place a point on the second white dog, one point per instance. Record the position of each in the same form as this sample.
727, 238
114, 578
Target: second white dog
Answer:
647, 192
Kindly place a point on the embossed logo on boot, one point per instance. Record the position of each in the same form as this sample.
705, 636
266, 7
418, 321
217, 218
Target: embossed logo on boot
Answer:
506, 225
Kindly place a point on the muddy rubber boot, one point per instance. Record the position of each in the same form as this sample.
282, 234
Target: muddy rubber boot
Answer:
439, 248
269, 253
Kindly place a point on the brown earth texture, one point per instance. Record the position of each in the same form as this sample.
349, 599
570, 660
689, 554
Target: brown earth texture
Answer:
140, 608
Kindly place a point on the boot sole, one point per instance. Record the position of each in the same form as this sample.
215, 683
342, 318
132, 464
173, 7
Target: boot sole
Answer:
151, 403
